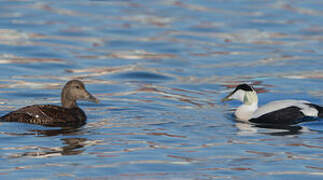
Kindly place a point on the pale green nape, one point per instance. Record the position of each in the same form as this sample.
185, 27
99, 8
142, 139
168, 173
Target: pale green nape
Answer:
250, 98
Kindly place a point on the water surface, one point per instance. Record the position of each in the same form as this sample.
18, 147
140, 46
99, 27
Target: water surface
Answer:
160, 69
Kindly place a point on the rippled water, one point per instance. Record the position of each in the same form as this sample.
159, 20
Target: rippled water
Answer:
160, 69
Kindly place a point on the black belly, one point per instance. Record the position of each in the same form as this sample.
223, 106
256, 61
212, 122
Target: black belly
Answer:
287, 116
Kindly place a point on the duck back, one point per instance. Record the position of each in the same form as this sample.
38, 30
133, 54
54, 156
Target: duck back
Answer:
47, 115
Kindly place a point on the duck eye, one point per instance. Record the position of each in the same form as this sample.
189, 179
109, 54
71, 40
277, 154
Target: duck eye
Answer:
77, 87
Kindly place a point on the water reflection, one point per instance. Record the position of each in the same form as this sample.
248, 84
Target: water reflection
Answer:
142, 75
56, 131
286, 130
70, 145
247, 129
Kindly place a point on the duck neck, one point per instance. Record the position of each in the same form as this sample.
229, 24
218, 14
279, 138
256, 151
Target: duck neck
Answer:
249, 106
66, 102
69, 103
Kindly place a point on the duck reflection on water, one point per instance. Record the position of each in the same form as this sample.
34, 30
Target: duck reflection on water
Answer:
71, 146
247, 129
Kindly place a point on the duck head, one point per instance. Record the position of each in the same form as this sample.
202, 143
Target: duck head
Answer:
75, 90
244, 93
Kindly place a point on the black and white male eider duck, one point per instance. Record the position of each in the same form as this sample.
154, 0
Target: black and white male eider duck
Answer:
67, 115
282, 112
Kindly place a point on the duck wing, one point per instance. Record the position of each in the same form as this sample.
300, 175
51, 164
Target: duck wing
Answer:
285, 112
48, 115
286, 116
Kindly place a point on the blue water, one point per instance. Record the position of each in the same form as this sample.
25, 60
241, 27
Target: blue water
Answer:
160, 69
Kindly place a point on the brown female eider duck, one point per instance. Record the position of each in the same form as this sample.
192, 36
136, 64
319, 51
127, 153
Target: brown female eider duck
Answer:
67, 115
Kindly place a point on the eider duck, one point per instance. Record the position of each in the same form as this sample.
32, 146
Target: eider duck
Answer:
67, 115
282, 112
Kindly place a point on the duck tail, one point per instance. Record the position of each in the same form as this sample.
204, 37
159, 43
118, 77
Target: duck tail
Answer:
320, 109
3, 118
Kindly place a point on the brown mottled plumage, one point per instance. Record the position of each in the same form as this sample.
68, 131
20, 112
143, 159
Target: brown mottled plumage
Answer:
67, 115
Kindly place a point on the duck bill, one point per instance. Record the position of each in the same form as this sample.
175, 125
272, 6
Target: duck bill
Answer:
227, 98
91, 98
